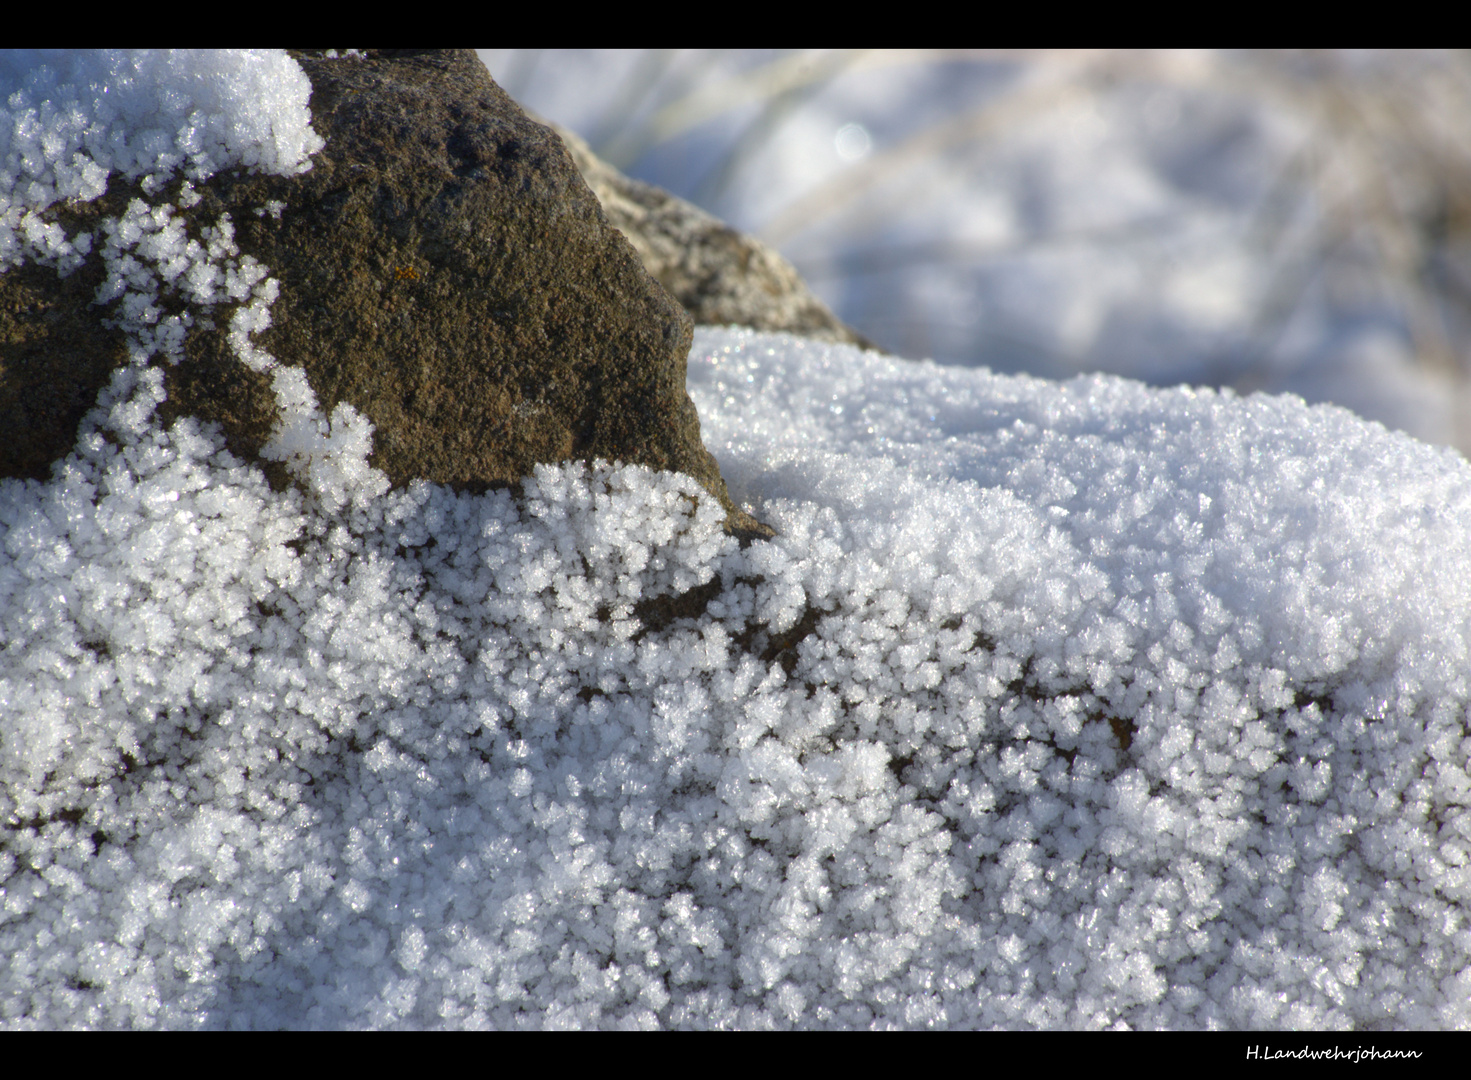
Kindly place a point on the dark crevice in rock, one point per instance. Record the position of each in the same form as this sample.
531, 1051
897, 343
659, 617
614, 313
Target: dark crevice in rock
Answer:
658, 612
898, 764
1301, 699
780, 646
1123, 730
69, 816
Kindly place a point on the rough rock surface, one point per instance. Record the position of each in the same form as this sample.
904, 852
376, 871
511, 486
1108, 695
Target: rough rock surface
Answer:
443, 268
55, 355
722, 277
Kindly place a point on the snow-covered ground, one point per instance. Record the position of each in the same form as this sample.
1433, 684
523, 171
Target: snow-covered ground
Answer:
1076, 704
1285, 222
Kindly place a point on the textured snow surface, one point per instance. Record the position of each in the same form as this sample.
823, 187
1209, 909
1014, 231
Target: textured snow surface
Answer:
437, 759
73, 115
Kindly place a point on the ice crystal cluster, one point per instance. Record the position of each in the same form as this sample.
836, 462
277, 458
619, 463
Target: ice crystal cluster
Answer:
1051, 705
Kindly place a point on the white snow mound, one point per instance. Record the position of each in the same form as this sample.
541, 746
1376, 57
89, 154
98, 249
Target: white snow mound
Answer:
1072, 705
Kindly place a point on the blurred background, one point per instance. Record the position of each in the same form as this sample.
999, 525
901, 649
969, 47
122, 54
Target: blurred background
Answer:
1277, 221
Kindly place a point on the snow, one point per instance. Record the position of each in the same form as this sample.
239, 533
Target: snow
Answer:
1078, 704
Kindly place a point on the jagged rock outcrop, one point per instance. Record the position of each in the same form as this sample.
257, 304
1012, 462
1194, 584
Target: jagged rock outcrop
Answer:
443, 268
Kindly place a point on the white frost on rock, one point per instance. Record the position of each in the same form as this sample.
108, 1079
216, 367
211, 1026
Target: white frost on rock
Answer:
79, 116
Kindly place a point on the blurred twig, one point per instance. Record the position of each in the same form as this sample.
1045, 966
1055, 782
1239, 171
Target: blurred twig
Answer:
820, 70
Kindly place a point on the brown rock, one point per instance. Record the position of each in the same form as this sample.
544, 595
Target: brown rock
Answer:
443, 268
55, 355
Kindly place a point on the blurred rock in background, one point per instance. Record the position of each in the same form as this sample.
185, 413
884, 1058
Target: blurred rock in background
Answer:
720, 276
1277, 221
